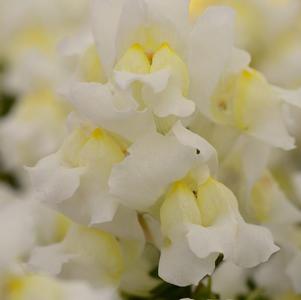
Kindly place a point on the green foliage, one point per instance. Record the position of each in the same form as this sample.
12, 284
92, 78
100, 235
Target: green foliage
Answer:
164, 291
10, 179
7, 101
254, 292
167, 291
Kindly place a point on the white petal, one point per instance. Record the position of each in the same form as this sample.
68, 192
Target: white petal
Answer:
172, 102
16, 231
79, 290
180, 266
207, 152
229, 280
254, 245
105, 22
176, 11
139, 180
294, 272
137, 279
156, 80
52, 181
211, 43
292, 97
103, 208
96, 256
76, 45
133, 16
239, 60
269, 125
48, 259
204, 241
91, 203
125, 225
96, 102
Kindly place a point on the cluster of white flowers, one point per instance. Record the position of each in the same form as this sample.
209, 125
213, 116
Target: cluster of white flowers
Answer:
150, 136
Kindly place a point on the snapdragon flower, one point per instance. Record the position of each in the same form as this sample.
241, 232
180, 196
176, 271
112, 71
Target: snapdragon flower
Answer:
33, 129
41, 287
162, 171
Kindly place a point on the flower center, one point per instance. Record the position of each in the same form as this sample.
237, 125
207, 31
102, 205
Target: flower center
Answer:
139, 60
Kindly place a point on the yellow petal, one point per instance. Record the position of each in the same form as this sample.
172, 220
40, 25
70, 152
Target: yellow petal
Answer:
40, 104
97, 249
165, 57
262, 197
134, 60
253, 92
179, 207
86, 146
32, 37
90, 66
215, 200
196, 7
33, 287
101, 148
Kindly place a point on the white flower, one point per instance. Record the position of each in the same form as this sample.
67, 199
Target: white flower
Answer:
74, 180
33, 129
29, 33
246, 101
281, 217
151, 55
41, 287
174, 75
154, 162
17, 231
200, 220
85, 253
269, 205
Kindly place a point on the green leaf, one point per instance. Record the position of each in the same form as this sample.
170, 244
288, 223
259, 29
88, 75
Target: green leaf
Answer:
7, 101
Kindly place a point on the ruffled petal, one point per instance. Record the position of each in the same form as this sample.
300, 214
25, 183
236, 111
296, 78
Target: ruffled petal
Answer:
253, 245
53, 182
292, 97
96, 102
140, 180
180, 266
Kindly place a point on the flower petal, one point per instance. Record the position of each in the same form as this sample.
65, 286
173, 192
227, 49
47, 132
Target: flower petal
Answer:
210, 50
294, 272
180, 266
96, 102
105, 22
52, 181
140, 179
254, 245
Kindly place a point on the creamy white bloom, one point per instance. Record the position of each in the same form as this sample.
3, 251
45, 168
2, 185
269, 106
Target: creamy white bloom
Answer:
74, 180
154, 162
33, 129
84, 254
174, 75
37, 240
269, 205
242, 97
150, 56
29, 34
260, 24
199, 220
41, 287
17, 231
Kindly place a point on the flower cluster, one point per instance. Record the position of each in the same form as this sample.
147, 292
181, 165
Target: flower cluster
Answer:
150, 149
